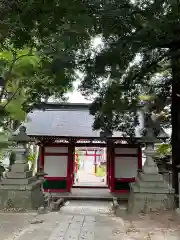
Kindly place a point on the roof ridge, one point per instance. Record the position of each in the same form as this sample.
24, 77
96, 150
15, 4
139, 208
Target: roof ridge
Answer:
79, 106
60, 109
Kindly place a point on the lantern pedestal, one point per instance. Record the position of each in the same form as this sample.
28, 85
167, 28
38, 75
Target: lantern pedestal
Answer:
150, 192
20, 190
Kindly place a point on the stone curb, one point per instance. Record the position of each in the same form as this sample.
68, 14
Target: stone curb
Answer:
88, 198
177, 211
115, 203
119, 211
55, 206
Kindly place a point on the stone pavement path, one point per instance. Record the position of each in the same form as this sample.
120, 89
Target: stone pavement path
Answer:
81, 220
78, 220
89, 179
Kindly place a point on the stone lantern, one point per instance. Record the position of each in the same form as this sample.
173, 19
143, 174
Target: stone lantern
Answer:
150, 192
20, 189
149, 139
21, 139
162, 135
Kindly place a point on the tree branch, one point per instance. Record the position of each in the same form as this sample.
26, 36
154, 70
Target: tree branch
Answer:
25, 55
7, 77
153, 63
9, 100
15, 58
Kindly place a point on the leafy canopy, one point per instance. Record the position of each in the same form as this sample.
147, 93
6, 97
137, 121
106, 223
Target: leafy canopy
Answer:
136, 35
38, 46
139, 40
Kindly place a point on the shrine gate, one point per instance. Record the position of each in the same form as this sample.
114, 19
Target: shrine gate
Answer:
60, 128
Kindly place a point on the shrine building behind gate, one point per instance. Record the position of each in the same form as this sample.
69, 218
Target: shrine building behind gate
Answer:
59, 128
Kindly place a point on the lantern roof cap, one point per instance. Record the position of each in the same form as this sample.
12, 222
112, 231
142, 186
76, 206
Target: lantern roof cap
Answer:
22, 136
149, 136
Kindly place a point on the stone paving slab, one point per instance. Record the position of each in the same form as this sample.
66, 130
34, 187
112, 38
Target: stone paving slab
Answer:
81, 220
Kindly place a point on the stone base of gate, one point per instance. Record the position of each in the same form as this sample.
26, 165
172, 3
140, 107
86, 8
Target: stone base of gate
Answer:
22, 197
150, 193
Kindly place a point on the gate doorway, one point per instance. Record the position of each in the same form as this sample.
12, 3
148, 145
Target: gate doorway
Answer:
90, 167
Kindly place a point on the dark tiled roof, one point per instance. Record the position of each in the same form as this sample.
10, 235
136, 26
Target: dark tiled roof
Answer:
61, 123
63, 120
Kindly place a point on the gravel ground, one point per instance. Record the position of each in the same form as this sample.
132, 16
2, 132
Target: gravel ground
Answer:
154, 226
89, 220
11, 224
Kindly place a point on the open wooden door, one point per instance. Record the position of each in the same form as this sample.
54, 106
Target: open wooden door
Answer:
107, 167
71, 161
108, 157
126, 162
110, 167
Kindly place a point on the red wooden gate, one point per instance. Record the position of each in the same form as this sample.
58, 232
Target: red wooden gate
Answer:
57, 162
124, 162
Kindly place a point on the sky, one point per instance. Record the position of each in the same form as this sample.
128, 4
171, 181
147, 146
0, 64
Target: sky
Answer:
76, 96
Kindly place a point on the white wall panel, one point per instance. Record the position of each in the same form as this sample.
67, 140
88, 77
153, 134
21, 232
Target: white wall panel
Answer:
125, 167
56, 149
55, 166
126, 150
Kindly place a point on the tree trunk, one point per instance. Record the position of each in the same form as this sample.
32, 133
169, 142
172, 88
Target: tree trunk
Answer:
175, 111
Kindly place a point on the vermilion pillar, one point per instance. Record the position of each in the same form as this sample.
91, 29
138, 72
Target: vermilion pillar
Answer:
41, 157
95, 161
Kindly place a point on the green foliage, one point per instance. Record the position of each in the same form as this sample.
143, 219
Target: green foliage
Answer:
32, 159
28, 79
135, 59
61, 36
78, 158
32, 21
28, 72
163, 150
38, 48
55, 31
101, 171
2, 168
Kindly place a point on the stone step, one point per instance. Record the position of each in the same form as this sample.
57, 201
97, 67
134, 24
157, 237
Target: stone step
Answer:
19, 175
20, 181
